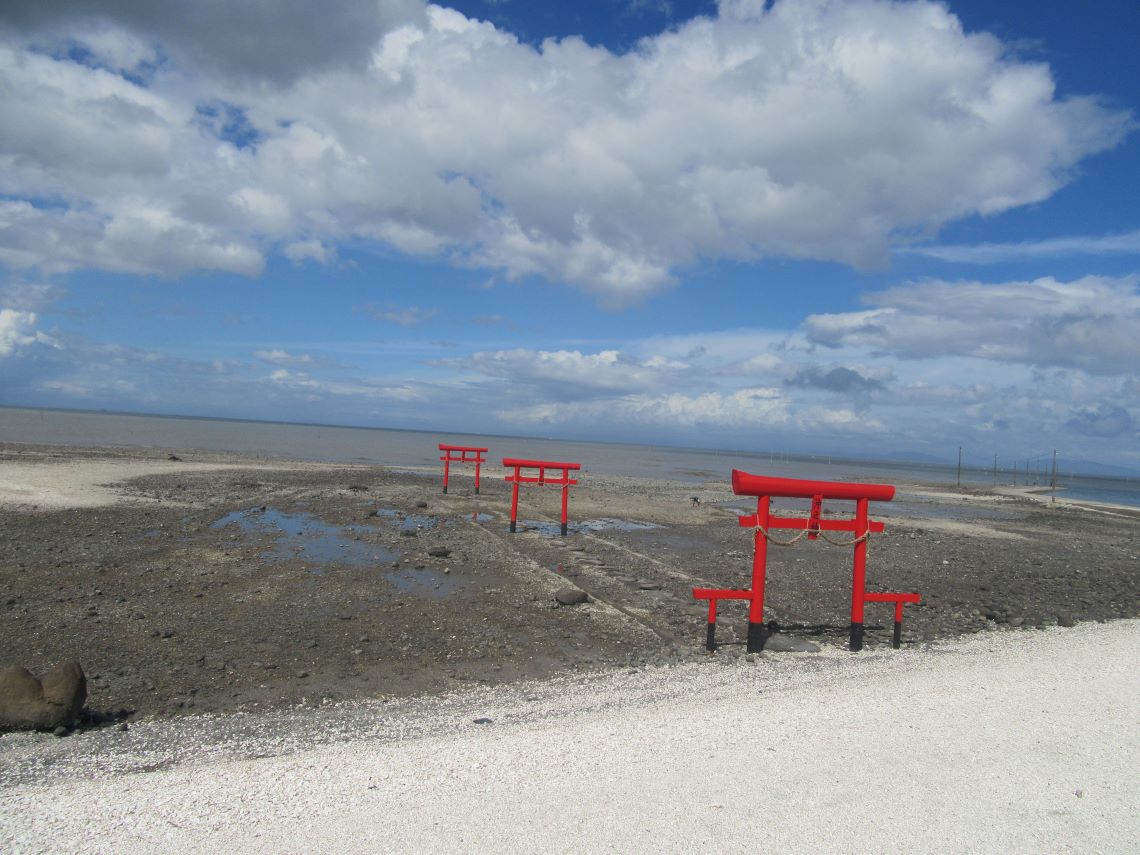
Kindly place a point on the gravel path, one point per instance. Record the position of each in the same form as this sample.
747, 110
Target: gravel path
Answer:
1017, 741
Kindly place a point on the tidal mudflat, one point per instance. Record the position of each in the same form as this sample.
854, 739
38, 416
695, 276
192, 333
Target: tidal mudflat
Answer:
217, 583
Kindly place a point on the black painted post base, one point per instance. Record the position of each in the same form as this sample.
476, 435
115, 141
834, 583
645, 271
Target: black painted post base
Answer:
896, 639
856, 636
757, 637
512, 526
563, 529
476, 491
445, 491
710, 638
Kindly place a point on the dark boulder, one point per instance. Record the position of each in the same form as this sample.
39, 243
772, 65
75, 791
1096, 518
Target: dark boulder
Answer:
571, 596
30, 704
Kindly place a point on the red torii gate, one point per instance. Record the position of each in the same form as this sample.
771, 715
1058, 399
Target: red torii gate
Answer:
764, 488
564, 480
476, 458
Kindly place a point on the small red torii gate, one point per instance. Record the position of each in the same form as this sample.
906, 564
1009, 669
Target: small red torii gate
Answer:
463, 450
516, 477
765, 488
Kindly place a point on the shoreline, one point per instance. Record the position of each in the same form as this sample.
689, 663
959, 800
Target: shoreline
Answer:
1045, 496
73, 476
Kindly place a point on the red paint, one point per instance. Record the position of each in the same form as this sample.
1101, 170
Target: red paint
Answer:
759, 561
859, 574
898, 599
814, 518
476, 457
518, 477
765, 488
746, 484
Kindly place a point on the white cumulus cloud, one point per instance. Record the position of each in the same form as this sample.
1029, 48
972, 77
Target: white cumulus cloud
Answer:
801, 128
17, 328
1091, 323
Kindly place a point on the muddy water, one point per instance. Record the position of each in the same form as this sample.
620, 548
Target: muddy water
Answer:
321, 545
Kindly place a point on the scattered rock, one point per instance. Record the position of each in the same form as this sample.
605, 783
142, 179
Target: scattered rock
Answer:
1066, 619
30, 704
483, 720
408, 532
174, 457
571, 596
646, 585
421, 504
358, 488
439, 552
788, 644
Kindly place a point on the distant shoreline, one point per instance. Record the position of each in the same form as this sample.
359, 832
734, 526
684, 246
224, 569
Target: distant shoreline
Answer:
982, 471
1044, 495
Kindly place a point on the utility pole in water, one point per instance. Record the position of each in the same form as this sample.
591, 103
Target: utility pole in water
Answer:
1054, 481
995, 470
959, 466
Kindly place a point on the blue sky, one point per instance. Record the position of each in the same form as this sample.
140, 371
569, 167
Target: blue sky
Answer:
862, 227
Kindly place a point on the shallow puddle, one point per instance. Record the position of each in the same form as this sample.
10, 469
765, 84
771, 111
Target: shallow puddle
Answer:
303, 536
319, 544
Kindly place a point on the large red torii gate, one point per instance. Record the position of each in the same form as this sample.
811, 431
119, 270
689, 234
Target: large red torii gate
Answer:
765, 488
517, 477
467, 454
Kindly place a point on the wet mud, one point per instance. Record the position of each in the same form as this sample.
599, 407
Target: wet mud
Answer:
233, 590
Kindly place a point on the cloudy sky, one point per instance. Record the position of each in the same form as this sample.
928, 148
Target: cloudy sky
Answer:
830, 226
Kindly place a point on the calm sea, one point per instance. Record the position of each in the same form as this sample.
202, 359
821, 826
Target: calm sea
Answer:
416, 448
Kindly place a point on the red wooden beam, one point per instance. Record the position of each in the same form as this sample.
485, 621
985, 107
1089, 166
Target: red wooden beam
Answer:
746, 484
517, 477
464, 450
765, 488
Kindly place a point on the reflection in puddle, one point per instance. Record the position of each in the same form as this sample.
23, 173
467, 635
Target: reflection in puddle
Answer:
602, 524
304, 536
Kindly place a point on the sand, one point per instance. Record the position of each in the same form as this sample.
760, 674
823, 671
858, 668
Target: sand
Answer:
78, 483
1018, 743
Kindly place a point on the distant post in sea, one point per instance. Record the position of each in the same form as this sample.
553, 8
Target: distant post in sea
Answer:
1054, 480
959, 466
